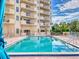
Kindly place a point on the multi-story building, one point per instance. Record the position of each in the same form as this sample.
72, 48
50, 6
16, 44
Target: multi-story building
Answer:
27, 17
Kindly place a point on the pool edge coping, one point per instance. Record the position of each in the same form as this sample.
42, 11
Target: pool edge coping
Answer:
45, 54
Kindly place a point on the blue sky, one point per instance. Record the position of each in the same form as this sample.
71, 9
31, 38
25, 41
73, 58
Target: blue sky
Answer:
65, 10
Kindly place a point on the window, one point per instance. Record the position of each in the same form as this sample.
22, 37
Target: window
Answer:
7, 20
25, 19
17, 9
17, 31
17, 1
21, 18
27, 14
27, 6
29, 0
28, 21
42, 30
26, 31
17, 17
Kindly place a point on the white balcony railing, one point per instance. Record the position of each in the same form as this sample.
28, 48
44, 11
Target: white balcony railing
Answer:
28, 15
45, 6
28, 8
9, 11
45, 1
23, 22
9, 21
29, 1
10, 2
45, 12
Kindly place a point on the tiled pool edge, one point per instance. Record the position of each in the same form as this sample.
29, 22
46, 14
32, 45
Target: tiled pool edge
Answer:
45, 54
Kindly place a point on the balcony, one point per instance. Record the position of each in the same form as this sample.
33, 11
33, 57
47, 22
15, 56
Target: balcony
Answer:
45, 7
45, 1
32, 16
9, 21
10, 2
23, 22
45, 13
9, 11
45, 18
31, 8
32, 2
44, 24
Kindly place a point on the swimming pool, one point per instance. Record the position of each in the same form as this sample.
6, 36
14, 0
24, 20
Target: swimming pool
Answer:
41, 44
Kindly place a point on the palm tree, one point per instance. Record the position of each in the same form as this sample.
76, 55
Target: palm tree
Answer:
74, 26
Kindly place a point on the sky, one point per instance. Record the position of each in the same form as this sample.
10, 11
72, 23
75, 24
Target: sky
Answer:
64, 10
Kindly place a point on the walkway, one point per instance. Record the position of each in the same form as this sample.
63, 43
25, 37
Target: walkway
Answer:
11, 41
71, 40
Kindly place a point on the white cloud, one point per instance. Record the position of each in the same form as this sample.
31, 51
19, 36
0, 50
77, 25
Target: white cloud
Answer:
72, 15
58, 19
70, 5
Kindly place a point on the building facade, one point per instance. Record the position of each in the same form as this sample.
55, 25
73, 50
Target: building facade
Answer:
27, 17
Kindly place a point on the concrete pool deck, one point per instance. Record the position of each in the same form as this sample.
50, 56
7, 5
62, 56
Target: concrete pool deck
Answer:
11, 41
44, 57
71, 40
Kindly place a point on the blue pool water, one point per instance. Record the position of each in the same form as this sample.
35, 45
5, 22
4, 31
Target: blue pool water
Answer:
41, 44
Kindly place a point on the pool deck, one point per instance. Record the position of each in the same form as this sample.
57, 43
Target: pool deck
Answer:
11, 41
71, 40
44, 57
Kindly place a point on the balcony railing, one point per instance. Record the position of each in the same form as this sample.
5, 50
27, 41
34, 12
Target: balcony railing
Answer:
45, 6
45, 1
23, 6
10, 2
29, 1
23, 22
45, 13
9, 21
44, 18
45, 24
28, 15
9, 11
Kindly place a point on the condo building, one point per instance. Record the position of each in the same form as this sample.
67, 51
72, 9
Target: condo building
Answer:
27, 17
